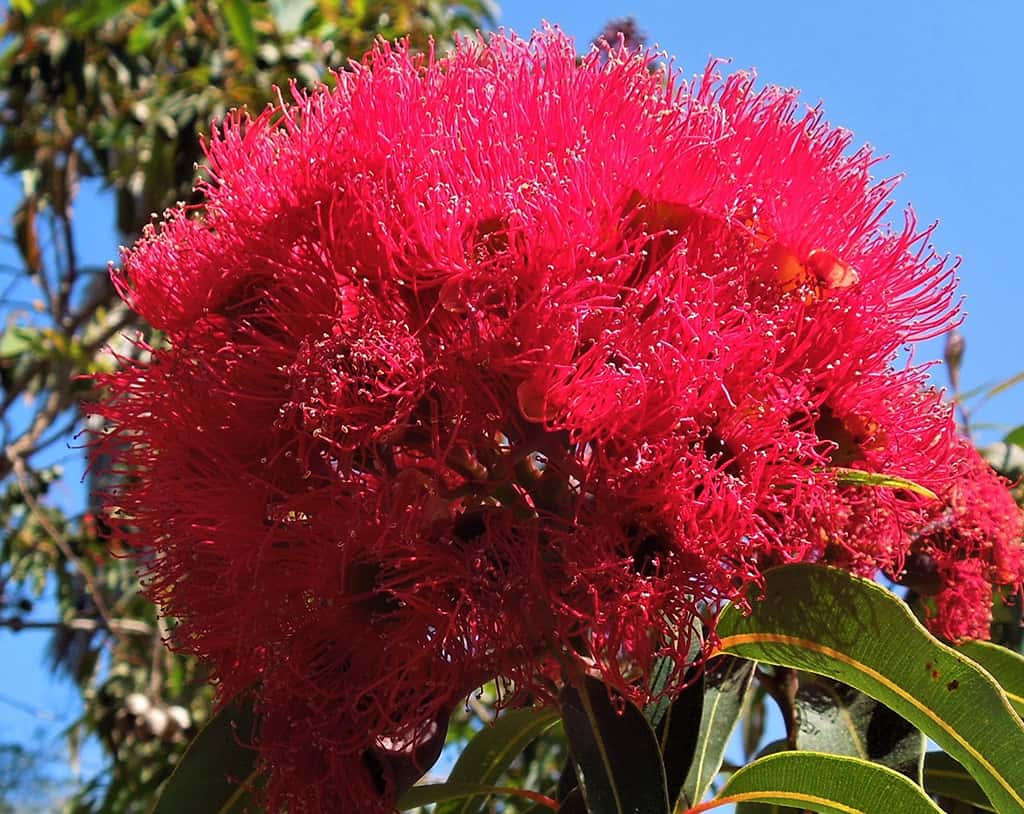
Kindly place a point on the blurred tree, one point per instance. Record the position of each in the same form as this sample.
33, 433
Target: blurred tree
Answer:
120, 92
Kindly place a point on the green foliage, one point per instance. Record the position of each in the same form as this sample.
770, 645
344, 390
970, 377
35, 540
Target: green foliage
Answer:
727, 683
216, 768
616, 753
824, 783
828, 622
488, 755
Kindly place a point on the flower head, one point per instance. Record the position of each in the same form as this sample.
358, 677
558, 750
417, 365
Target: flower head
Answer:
510, 363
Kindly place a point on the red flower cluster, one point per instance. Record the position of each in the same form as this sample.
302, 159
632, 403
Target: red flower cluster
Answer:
509, 363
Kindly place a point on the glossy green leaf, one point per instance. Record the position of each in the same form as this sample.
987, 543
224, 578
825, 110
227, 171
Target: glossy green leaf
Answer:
494, 747
663, 671
726, 683
618, 762
443, 792
825, 783
216, 768
828, 622
1015, 436
858, 477
1005, 666
679, 736
238, 14
944, 777
840, 720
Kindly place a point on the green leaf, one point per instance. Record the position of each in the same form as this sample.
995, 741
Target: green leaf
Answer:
216, 768
1015, 436
238, 14
1005, 385
1005, 666
944, 777
835, 718
18, 340
726, 682
988, 390
829, 622
665, 668
618, 762
679, 735
858, 477
824, 783
494, 747
443, 792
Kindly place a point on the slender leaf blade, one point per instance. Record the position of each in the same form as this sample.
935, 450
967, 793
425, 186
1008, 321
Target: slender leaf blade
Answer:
1005, 666
216, 767
858, 477
429, 793
829, 622
618, 762
825, 783
493, 748
726, 683
238, 14
944, 777
679, 735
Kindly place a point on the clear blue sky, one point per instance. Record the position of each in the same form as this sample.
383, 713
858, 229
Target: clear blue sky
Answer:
935, 85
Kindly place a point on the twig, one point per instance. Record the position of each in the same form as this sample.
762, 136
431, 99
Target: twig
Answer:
120, 626
62, 544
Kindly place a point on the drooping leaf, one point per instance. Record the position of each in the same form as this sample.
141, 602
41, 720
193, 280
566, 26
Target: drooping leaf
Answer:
679, 734
823, 783
750, 807
238, 14
858, 477
429, 793
216, 768
1005, 666
726, 682
829, 622
616, 753
493, 748
1015, 437
839, 720
944, 777
664, 669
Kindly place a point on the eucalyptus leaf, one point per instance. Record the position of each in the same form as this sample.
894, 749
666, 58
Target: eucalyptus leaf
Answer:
835, 718
1005, 666
429, 793
679, 735
216, 768
238, 14
829, 622
825, 783
492, 750
858, 477
726, 683
944, 777
618, 762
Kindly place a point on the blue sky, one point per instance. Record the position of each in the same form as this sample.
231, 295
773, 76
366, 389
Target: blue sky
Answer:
935, 85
